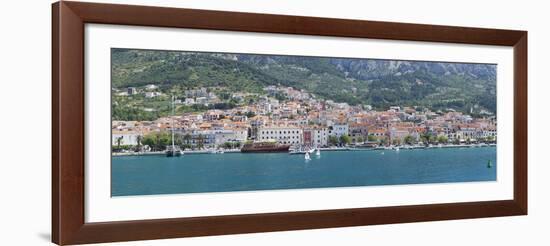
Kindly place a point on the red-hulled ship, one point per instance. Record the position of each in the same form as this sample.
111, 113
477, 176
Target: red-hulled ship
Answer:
259, 147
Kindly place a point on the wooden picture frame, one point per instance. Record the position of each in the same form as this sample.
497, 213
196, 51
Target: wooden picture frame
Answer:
68, 223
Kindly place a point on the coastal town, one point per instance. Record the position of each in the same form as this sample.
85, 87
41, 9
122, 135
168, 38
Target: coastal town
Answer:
293, 117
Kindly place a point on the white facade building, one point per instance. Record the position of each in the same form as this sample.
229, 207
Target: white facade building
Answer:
201, 100
152, 94
189, 101
317, 136
151, 87
127, 137
339, 129
223, 136
282, 134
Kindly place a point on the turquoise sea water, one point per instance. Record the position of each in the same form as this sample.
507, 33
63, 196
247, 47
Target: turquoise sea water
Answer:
147, 175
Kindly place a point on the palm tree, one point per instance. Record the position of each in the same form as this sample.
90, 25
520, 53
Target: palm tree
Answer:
187, 138
138, 139
409, 139
333, 140
119, 141
158, 144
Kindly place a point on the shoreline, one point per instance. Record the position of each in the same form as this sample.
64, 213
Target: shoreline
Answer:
391, 148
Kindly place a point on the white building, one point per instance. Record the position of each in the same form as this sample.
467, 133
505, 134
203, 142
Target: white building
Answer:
201, 92
235, 135
212, 115
395, 108
282, 134
126, 137
315, 136
211, 138
151, 87
487, 133
339, 129
131, 90
152, 94
189, 101
468, 132
398, 134
201, 100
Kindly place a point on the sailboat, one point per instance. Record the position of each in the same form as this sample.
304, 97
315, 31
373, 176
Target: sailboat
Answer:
307, 156
172, 151
213, 150
216, 150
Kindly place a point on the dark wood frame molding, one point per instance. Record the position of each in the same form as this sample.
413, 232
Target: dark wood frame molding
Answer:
68, 224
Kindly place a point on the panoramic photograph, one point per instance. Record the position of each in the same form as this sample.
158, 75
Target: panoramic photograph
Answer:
195, 122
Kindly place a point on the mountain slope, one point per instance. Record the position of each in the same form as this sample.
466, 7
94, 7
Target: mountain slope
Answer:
380, 83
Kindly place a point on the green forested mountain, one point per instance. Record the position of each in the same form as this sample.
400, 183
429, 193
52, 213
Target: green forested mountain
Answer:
380, 83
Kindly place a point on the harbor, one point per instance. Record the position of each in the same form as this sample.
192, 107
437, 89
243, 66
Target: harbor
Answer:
192, 122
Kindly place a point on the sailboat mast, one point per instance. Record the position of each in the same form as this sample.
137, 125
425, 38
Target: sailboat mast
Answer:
173, 113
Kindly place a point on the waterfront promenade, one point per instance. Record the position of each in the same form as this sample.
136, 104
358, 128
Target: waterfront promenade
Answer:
349, 148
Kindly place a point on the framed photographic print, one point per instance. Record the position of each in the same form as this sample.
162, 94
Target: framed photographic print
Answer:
177, 122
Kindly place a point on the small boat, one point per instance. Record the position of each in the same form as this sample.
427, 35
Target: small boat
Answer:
301, 151
489, 164
397, 149
307, 156
318, 152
